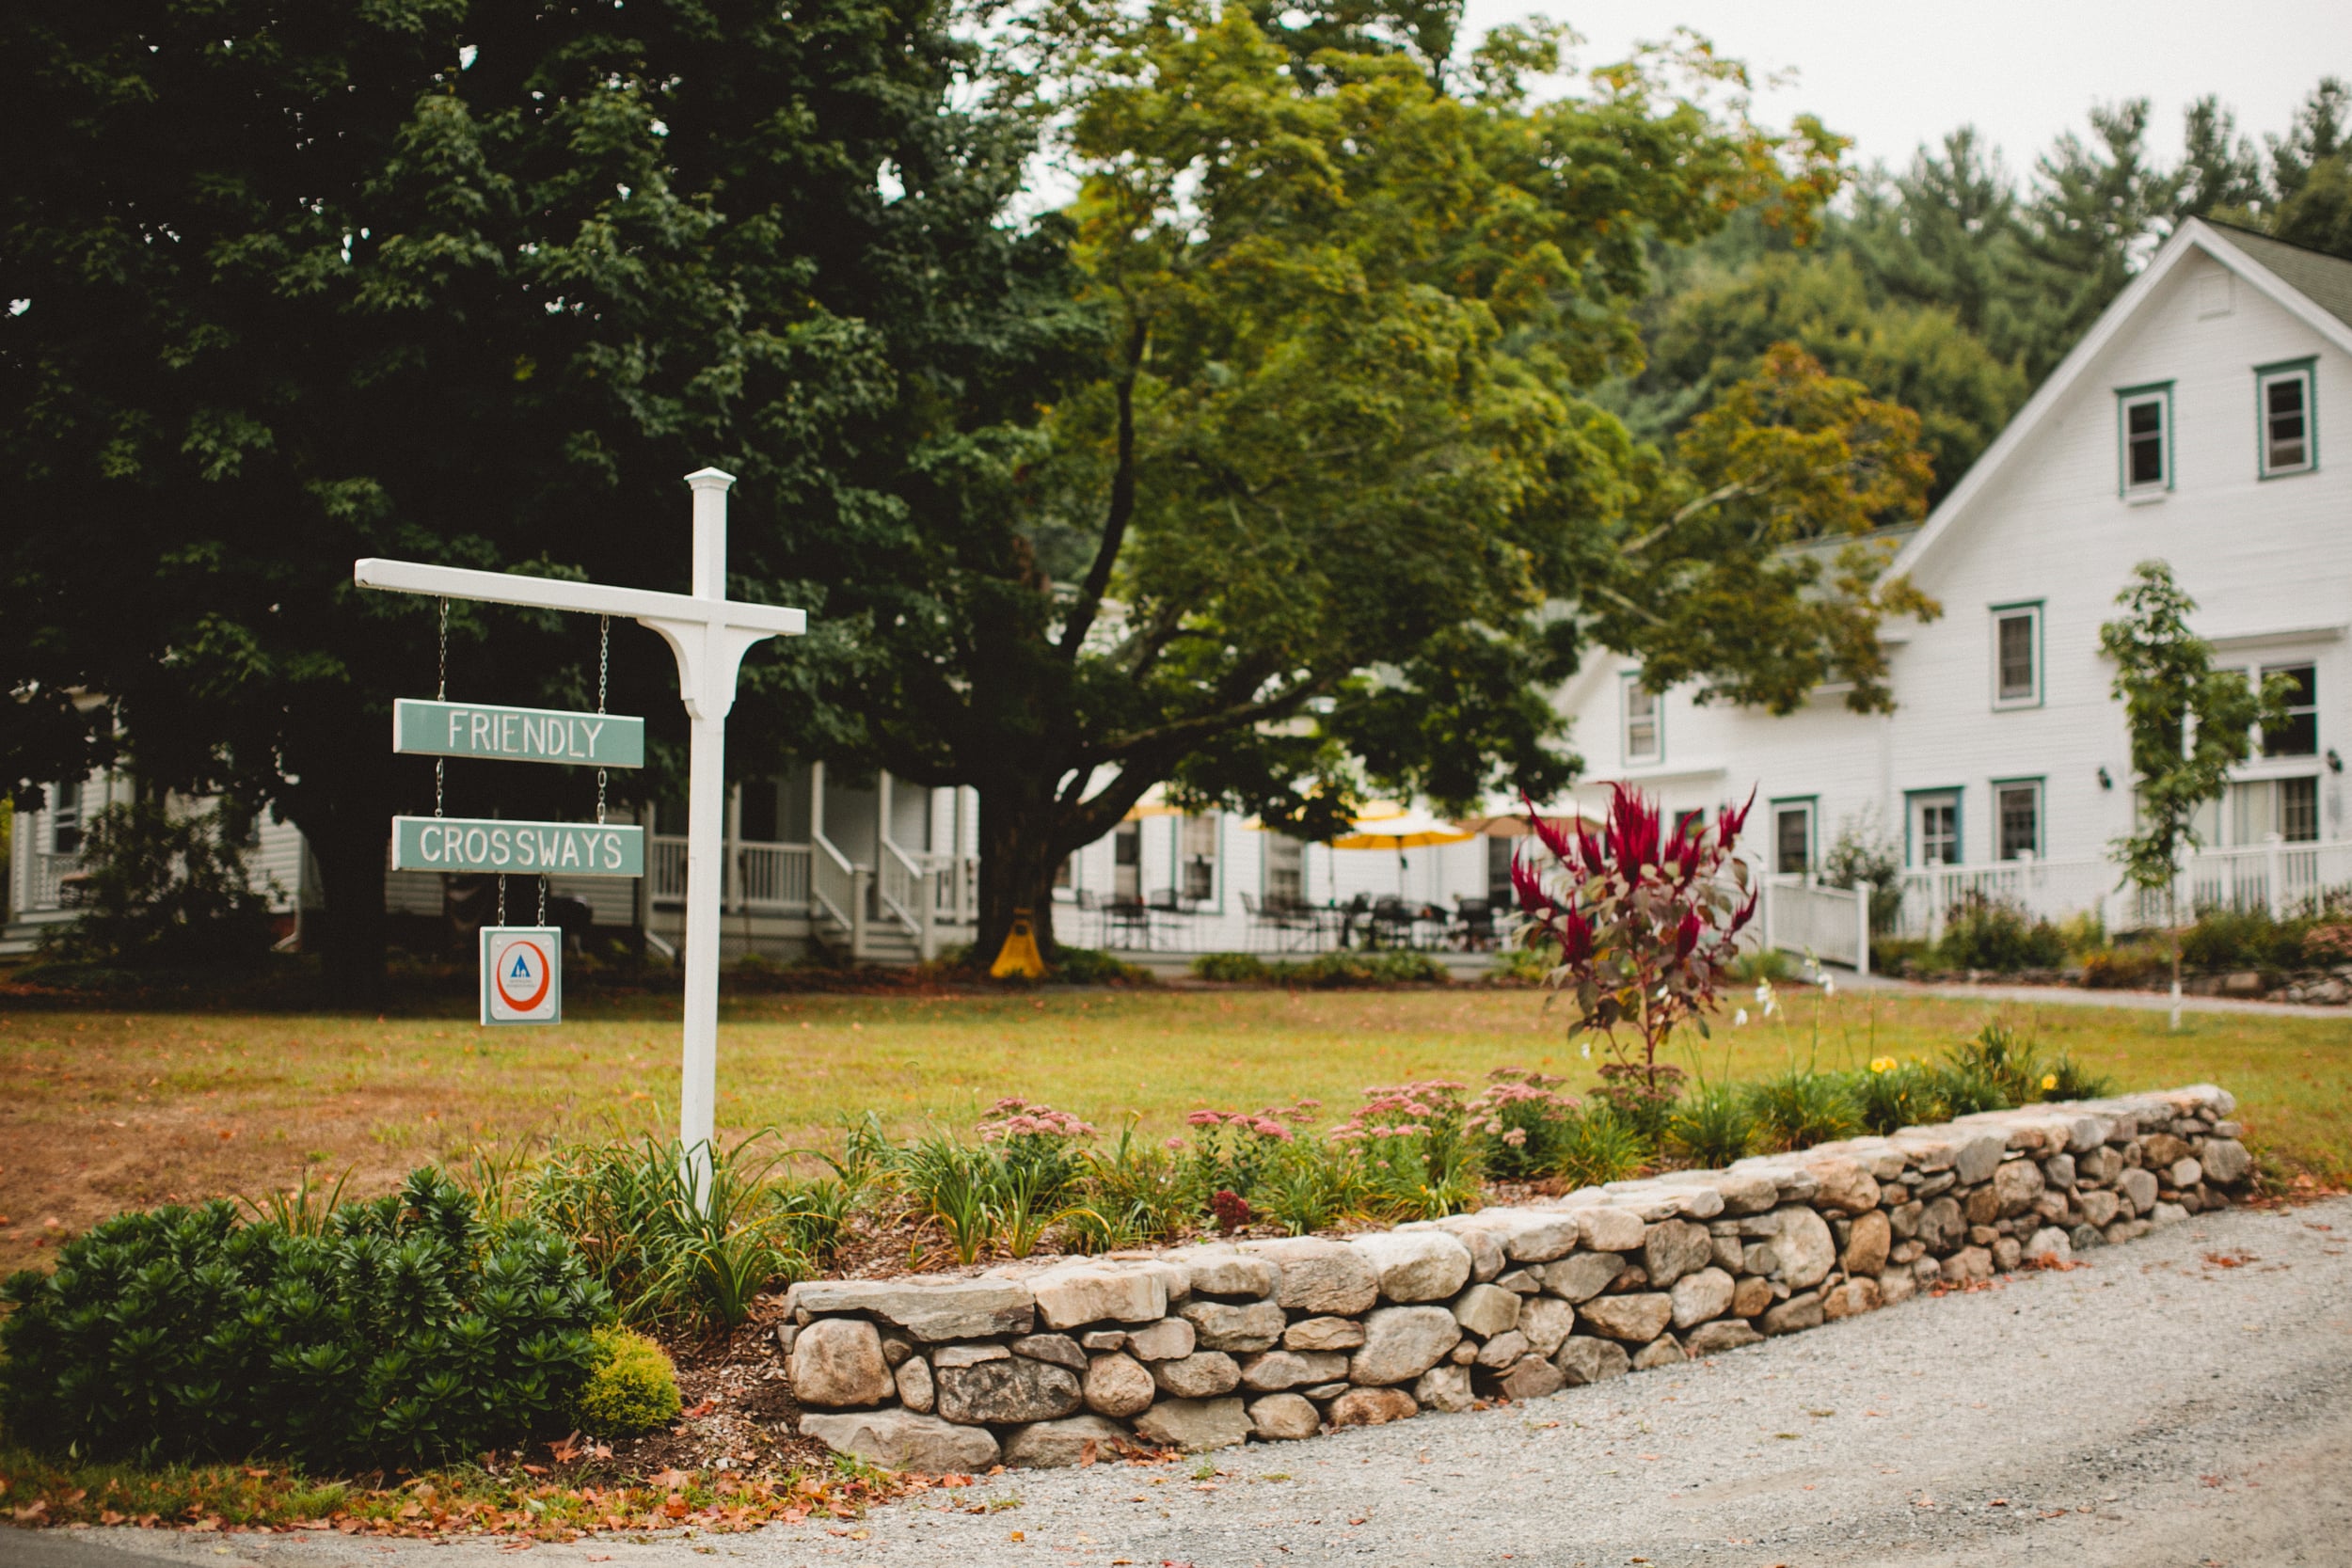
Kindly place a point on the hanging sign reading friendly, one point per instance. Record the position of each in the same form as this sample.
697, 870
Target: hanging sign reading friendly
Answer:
517, 849
421, 726
522, 974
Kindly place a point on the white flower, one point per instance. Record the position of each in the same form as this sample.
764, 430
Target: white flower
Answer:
1829, 985
1588, 1051
1763, 992
1741, 1017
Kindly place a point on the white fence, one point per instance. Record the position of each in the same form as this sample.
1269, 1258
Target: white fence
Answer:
2276, 877
1827, 923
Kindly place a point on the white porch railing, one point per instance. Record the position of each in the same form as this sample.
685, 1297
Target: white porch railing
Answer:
837, 889
769, 878
2276, 877
1829, 923
42, 874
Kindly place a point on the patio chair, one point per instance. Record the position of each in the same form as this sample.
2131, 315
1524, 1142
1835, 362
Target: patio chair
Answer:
1476, 919
1128, 917
1392, 923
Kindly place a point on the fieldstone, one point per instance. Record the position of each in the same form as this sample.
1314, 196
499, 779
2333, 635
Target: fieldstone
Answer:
1013, 1390
1661, 1352
1584, 1359
2016, 1184
1974, 1157
2097, 1207
1547, 1323
2167, 1213
1059, 1349
1443, 1389
1530, 1235
1463, 1354
1282, 1419
1286, 1369
1194, 1424
1942, 1226
895, 1348
1605, 1229
1202, 1375
787, 1333
1983, 1206
1101, 1341
2138, 1189
1850, 1299
914, 1385
1799, 1311
1058, 1445
1094, 1293
1319, 1275
1967, 1265
1226, 1270
1730, 1255
1415, 1265
2006, 1254
1867, 1243
1746, 1191
1117, 1385
967, 1355
2098, 1165
1324, 1333
2049, 1246
2185, 1173
1581, 1276
1636, 1319
903, 1440
1845, 1184
1674, 1248
1700, 1296
1751, 1296
931, 1310
1322, 1391
1804, 1248
2058, 1171
1403, 1342
1520, 1282
2158, 1149
1896, 1284
838, 1361
1726, 1334
2226, 1161
1171, 1338
1904, 1219
1503, 1350
1531, 1378
2051, 1207
2128, 1230
1372, 1407
1487, 1309
1486, 1259
1219, 1325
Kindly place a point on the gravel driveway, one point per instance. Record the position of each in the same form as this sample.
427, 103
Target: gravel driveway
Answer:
2185, 1400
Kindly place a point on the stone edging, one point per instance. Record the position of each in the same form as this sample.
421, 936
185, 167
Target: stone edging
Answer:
1205, 1346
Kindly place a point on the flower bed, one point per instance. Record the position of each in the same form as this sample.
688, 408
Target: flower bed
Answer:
1204, 1346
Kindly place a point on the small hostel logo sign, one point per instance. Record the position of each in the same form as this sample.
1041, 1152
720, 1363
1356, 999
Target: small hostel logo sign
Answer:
522, 979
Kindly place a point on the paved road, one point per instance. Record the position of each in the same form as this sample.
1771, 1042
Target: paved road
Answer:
2185, 1400
2075, 996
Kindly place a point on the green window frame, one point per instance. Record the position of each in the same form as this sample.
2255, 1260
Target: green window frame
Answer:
1911, 797
1811, 806
2037, 783
2030, 610
2132, 438
2287, 372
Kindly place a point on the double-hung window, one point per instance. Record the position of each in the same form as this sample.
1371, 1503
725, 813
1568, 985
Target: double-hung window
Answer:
2299, 736
2145, 416
1935, 827
2282, 395
2017, 655
65, 818
1644, 725
1792, 837
2017, 815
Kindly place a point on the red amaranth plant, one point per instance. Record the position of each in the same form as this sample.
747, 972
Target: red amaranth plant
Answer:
1646, 920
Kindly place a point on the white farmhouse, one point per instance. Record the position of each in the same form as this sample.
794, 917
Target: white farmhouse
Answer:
2205, 420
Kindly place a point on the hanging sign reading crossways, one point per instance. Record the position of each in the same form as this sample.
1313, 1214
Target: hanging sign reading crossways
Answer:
522, 974
517, 734
523, 848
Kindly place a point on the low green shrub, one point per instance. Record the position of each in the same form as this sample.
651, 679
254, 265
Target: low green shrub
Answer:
1518, 965
1889, 1094
1237, 968
1989, 934
2135, 967
1800, 1107
1763, 963
1089, 966
1519, 1121
631, 1386
1597, 1148
1355, 966
1901, 954
1713, 1126
401, 1331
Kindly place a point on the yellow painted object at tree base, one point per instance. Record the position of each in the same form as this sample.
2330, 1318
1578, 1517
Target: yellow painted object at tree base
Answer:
1020, 955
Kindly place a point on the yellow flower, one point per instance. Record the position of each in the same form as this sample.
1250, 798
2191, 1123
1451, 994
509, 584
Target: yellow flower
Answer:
2049, 1082
1882, 1063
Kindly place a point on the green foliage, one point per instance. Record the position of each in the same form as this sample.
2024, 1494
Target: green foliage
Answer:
1599, 1147
631, 1386
405, 1330
1019, 1177
1134, 1195
1865, 856
1801, 1106
1888, 1095
2250, 939
167, 887
1518, 1122
1239, 968
632, 1210
1713, 1126
1340, 969
1760, 963
1088, 966
1992, 934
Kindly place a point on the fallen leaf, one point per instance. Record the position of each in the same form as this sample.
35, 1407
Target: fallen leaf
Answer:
703, 1409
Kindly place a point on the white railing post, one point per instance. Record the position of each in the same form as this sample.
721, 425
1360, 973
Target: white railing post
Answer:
1862, 927
861, 877
2274, 871
927, 940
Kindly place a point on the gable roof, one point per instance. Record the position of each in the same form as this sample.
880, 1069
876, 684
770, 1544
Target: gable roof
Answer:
2314, 287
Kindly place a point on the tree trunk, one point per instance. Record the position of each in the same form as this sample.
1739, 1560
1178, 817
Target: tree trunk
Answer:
1020, 842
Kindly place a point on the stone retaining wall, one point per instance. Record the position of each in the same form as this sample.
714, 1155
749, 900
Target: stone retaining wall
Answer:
1201, 1347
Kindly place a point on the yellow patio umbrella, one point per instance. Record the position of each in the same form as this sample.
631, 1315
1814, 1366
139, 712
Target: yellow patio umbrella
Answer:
1400, 830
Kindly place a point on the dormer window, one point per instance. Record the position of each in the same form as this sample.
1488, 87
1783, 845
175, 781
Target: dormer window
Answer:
2145, 416
2283, 404
1644, 734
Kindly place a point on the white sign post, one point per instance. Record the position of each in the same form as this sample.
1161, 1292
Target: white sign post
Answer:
710, 634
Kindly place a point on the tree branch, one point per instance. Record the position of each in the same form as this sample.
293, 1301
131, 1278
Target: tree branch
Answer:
1122, 503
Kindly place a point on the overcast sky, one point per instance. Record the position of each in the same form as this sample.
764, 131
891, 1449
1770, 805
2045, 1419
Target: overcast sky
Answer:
1892, 76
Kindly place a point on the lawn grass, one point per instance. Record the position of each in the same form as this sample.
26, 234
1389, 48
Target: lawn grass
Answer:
104, 1110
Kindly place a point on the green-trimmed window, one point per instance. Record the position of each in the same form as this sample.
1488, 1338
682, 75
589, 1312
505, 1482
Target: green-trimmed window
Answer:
2283, 401
2145, 416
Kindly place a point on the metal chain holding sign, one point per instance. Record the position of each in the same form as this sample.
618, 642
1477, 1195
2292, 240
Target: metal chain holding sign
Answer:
501, 919
604, 668
543, 900
441, 694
